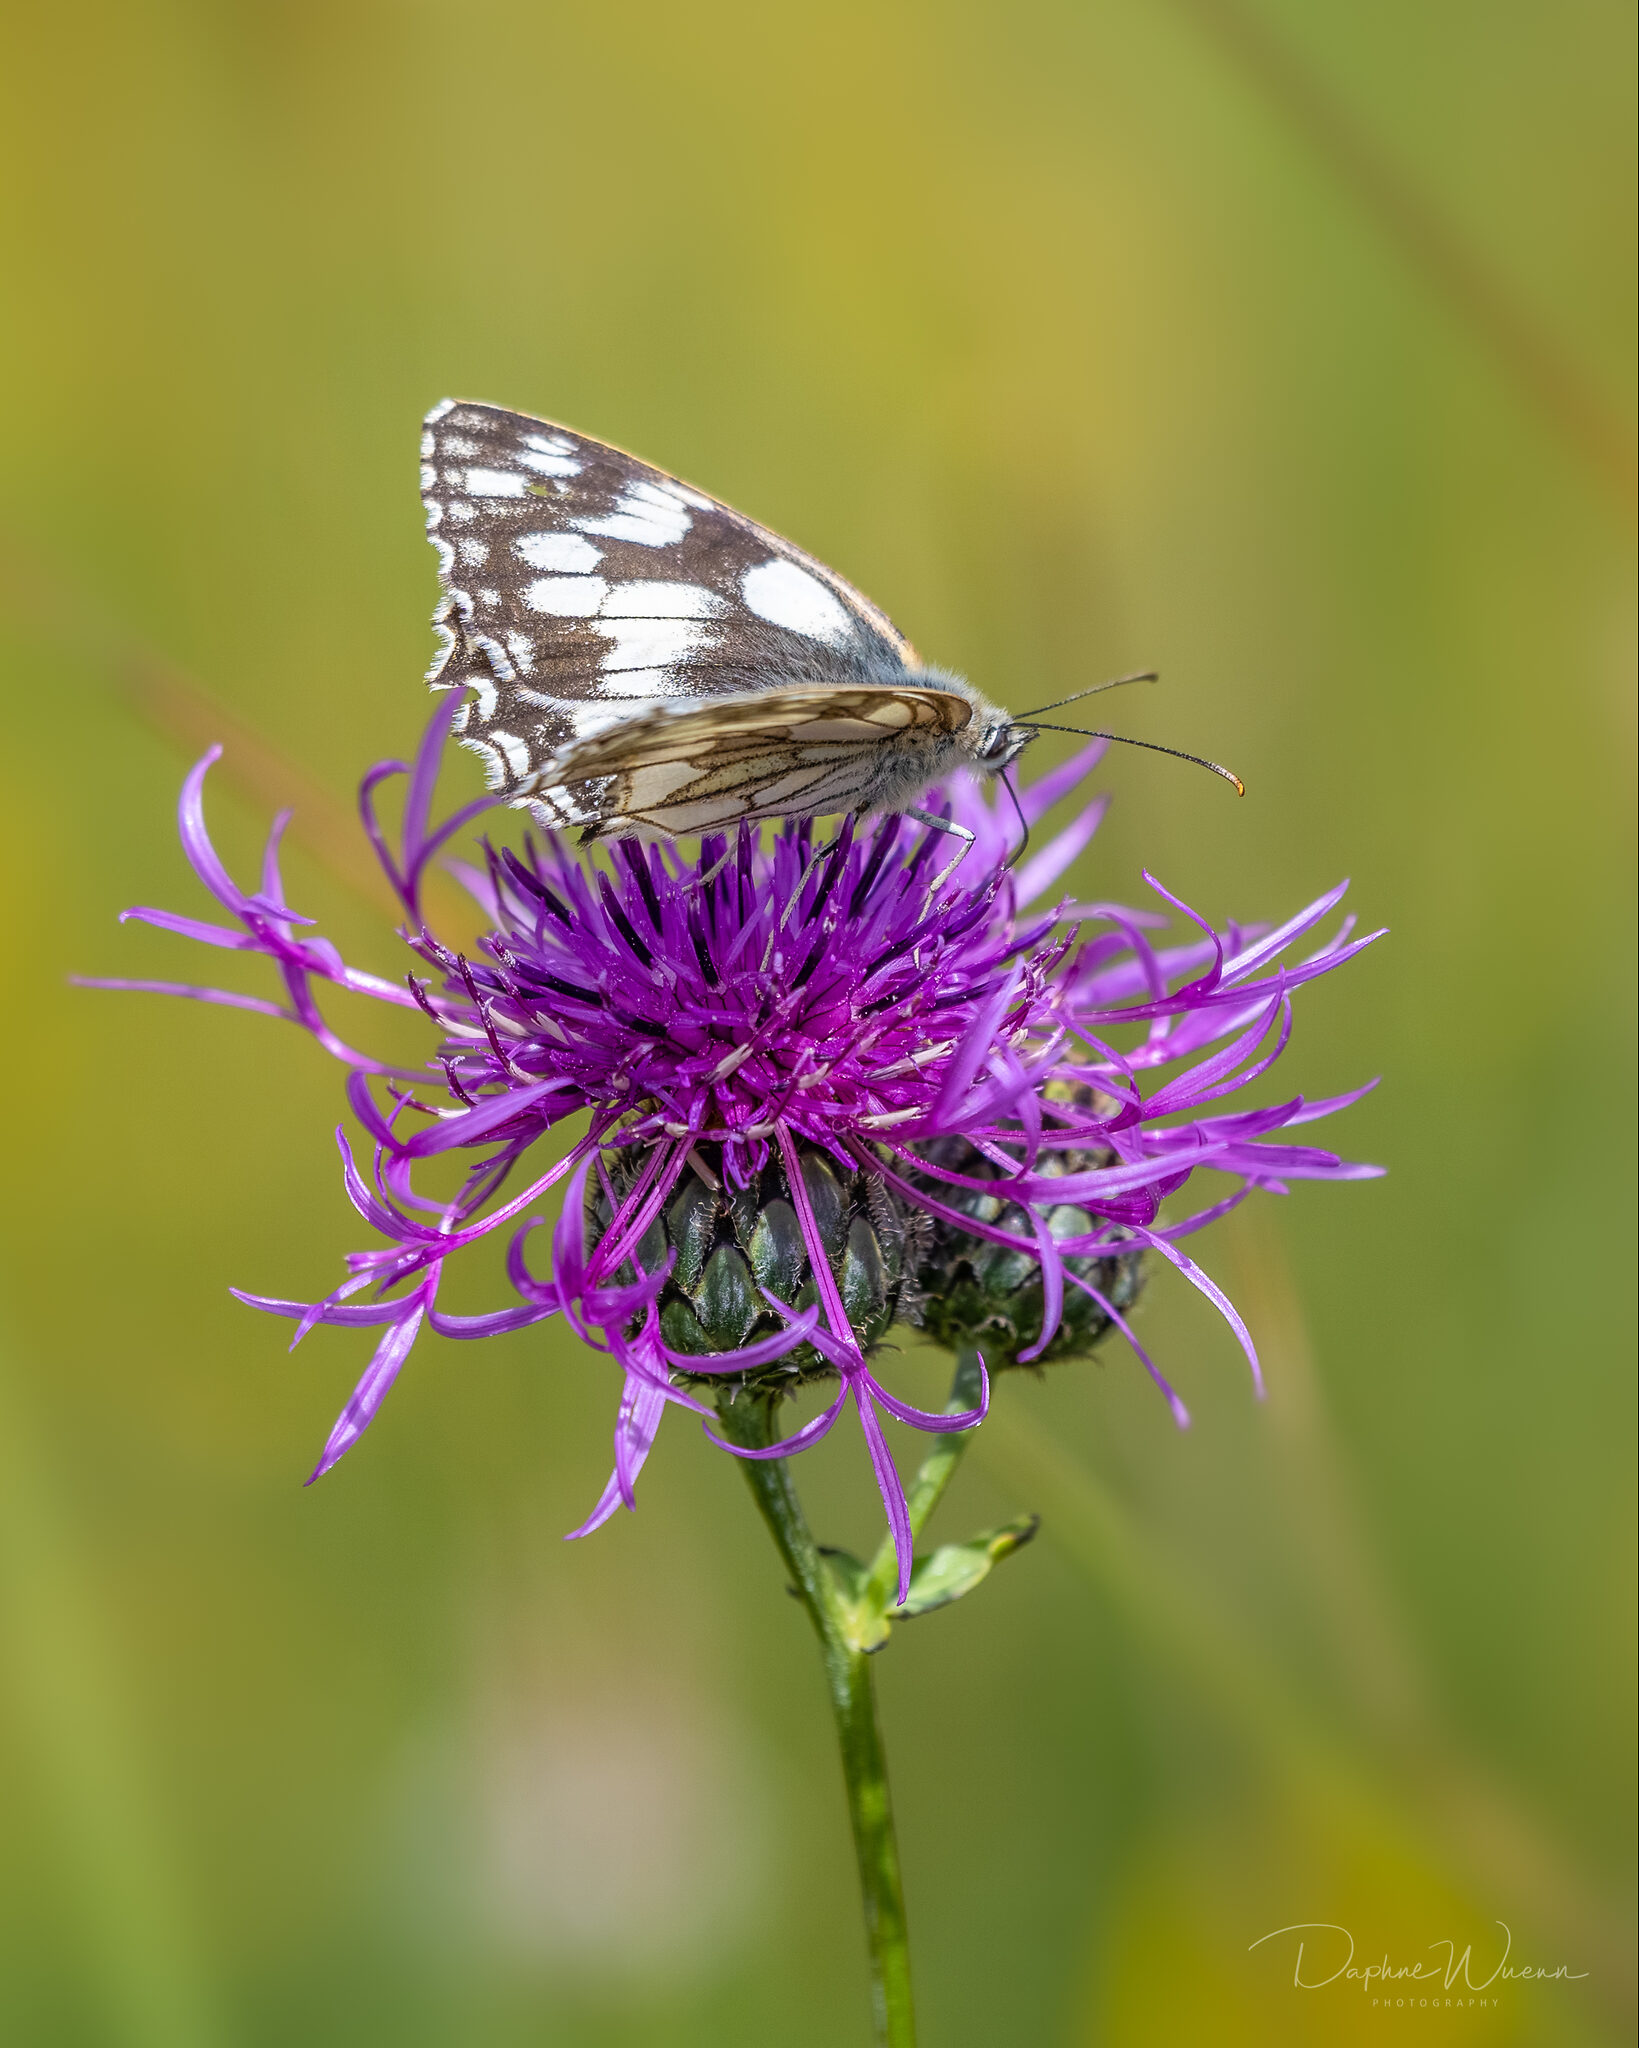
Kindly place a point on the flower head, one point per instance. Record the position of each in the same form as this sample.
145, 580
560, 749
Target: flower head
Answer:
826, 1086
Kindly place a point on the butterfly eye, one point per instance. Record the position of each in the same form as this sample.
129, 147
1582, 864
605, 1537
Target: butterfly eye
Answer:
1002, 743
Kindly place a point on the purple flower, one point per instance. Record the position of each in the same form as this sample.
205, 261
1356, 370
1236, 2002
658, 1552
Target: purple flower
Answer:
871, 1022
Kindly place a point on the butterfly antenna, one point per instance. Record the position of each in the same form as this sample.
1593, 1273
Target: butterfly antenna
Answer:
1144, 675
1017, 854
1150, 747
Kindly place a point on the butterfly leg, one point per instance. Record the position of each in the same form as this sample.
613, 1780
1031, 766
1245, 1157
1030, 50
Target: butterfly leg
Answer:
956, 831
705, 881
831, 846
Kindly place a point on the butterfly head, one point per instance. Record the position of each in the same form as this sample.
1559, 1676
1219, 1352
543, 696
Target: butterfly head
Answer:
1001, 742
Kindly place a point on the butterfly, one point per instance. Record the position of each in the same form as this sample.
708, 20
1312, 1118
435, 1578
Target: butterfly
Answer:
642, 659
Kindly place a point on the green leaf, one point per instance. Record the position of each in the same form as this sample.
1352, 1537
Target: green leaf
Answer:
956, 1568
865, 1624
849, 1574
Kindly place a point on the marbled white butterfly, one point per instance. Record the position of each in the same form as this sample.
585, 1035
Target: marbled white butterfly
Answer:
644, 659
641, 657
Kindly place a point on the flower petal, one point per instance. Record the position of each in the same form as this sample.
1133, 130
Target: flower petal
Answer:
370, 1392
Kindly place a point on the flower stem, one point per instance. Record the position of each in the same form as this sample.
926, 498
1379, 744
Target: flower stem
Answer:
749, 1422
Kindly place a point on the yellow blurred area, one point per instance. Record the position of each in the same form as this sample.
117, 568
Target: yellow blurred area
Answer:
1179, 1969
1283, 348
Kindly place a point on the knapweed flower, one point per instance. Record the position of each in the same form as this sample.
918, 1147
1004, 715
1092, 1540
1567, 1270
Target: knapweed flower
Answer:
828, 1086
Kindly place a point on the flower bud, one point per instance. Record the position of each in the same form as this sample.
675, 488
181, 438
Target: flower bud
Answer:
734, 1247
980, 1293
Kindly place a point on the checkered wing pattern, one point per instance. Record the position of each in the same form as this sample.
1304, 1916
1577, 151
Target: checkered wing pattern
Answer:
592, 603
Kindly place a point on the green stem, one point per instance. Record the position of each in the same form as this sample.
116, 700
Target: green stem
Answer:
749, 1422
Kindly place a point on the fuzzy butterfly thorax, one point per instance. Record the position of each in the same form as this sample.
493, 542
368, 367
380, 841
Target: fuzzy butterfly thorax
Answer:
641, 658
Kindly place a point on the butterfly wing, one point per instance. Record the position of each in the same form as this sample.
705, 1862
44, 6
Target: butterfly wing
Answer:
582, 586
786, 752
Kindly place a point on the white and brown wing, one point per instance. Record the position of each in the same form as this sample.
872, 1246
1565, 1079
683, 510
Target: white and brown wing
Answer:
582, 586
802, 752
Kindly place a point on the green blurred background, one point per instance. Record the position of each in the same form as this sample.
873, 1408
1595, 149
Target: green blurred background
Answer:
1282, 347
